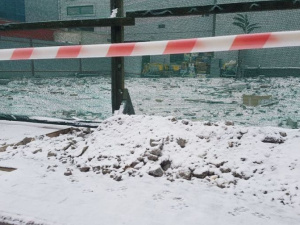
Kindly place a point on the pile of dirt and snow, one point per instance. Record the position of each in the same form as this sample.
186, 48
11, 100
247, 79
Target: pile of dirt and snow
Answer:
262, 162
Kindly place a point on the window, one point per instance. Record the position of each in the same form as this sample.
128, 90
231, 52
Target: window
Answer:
80, 10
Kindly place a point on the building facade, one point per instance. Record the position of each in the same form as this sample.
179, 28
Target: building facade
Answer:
84, 9
41, 10
13, 10
159, 28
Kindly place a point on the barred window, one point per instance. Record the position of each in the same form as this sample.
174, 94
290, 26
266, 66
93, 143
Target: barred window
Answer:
80, 10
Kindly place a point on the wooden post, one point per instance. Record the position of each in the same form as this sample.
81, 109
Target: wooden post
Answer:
117, 63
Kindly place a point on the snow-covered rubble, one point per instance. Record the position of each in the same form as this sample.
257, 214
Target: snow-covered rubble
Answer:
89, 98
260, 162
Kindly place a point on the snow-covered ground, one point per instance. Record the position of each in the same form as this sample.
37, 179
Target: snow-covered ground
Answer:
13, 131
153, 170
89, 98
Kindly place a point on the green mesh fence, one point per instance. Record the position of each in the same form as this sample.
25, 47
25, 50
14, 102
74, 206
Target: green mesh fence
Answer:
249, 87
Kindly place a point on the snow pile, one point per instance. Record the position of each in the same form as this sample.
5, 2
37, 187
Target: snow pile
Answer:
258, 162
114, 13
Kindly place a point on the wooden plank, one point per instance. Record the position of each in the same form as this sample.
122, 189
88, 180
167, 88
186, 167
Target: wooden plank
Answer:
51, 135
25, 141
3, 148
240, 7
103, 22
7, 169
62, 132
59, 132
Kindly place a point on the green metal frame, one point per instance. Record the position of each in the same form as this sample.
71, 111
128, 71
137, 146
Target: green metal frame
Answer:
120, 95
103, 22
254, 6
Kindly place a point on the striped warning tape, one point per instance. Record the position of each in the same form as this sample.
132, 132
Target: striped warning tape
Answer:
209, 44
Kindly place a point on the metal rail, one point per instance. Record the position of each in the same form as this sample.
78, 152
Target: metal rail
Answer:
117, 34
254, 6
104, 22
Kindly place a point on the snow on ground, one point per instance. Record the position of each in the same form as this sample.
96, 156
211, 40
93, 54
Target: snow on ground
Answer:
154, 170
89, 98
13, 131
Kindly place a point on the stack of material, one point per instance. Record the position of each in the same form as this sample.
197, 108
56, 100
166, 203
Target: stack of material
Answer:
215, 68
255, 100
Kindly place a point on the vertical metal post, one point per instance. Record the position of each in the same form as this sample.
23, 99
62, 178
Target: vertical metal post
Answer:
213, 33
32, 61
214, 22
117, 63
80, 60
80, 65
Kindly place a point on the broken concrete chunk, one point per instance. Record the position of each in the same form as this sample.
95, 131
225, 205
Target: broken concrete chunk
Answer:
134, 163
229, 123
82, 135
154, 143
87, 131
152, 157
156, 171
185, 122
68, 173
282, 134
185, 174
25, 141
3, 149
166, 164
116, 166
36, 151
84, 169
240, 175
273, 140
232, 144
213, 177
202, 173
156, 152
68, 146
141, 159
219, 164
174, 119
118, 178
181, 142
83, 151
139, 166
96, 168
51, 154
106, 171
227, 170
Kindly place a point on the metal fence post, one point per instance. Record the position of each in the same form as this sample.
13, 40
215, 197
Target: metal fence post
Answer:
32, 61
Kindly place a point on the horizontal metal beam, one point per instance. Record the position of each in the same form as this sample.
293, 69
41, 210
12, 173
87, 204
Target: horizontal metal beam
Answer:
73, 123
219, 9
105, 22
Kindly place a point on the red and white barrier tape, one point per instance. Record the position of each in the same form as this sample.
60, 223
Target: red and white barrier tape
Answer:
210, 44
